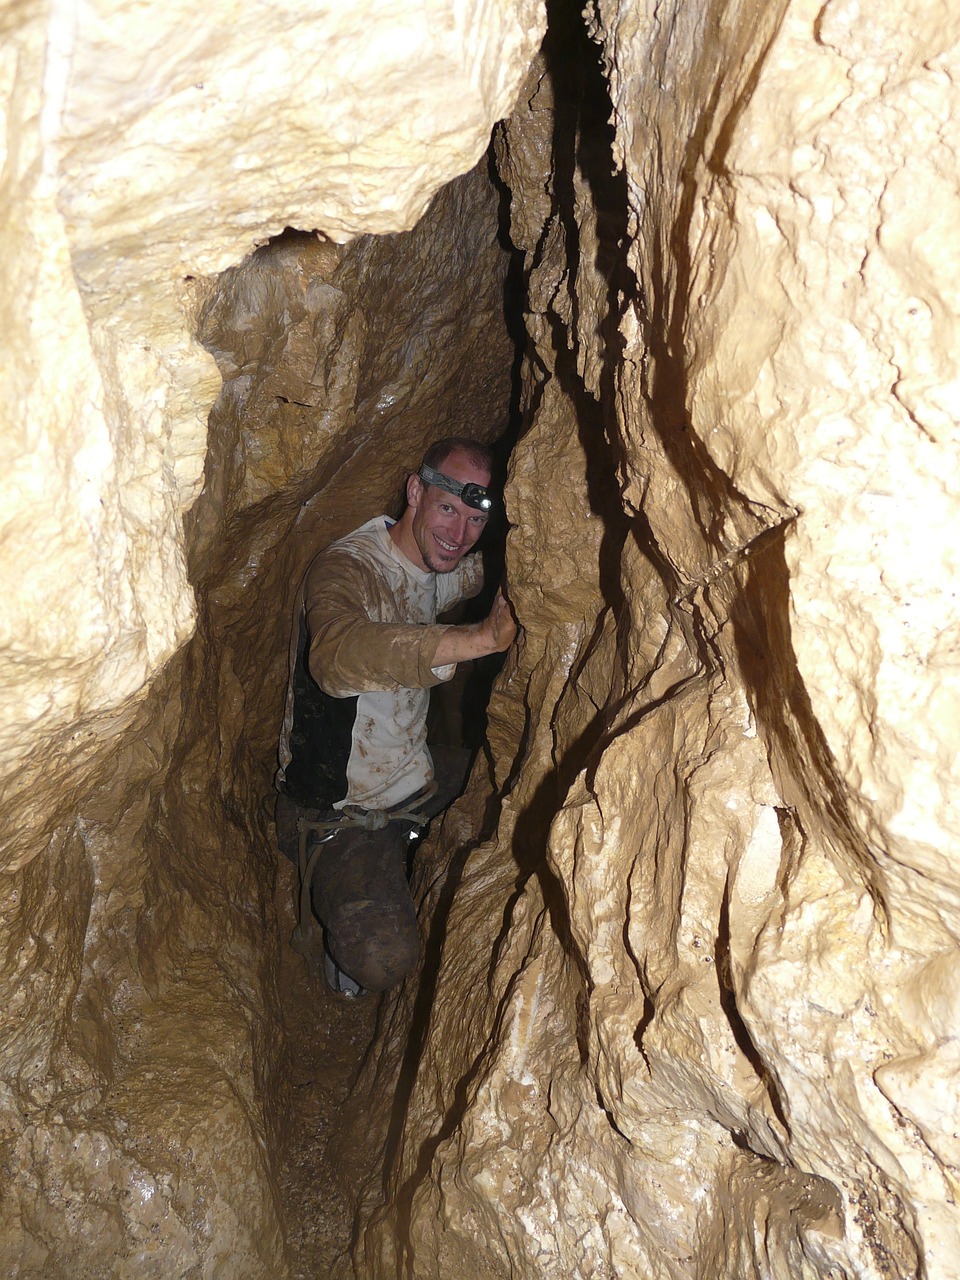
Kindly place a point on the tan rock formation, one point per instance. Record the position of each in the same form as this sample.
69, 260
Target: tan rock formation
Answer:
695, 1008
145, 150
711, 1025
148, 149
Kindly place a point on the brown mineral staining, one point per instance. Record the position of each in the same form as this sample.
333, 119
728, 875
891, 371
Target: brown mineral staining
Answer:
729, 729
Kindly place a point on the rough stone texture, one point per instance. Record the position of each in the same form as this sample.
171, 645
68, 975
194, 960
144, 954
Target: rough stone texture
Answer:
696, 1015
694, 1006
141, 1098
148, 148
139, 1091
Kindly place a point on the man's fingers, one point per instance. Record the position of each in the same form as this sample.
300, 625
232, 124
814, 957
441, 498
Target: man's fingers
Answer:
504, 624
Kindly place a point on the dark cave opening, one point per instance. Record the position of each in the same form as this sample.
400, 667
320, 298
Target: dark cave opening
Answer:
340, 363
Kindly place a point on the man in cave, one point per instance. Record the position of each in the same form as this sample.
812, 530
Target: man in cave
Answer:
356, 778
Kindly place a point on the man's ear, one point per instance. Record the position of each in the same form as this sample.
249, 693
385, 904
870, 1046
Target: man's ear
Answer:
414, 490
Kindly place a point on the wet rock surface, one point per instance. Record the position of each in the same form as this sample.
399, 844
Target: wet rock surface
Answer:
688, 1001
696, 941
146, 1102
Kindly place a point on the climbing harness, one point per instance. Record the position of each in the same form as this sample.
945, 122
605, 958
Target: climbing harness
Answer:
306, 938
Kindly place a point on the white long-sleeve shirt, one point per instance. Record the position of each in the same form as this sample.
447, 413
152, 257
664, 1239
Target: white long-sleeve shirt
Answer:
365, 630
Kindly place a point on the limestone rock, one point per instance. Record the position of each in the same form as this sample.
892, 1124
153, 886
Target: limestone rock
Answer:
715, 1033
149, 149
694, 1014
138, 1087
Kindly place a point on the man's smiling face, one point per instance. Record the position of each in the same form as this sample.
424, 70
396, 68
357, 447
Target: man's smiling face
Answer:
443, 528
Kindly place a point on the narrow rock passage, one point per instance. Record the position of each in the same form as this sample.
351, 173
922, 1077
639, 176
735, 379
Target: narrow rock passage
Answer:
340, 364
696, 1009
319, 1174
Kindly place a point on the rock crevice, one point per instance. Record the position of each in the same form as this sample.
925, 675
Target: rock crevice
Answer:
687, 1008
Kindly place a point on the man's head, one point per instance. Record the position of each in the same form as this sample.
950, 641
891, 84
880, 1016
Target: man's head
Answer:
445, 513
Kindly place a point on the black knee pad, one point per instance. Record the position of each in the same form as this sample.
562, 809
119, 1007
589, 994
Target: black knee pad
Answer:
378, 946
362, 898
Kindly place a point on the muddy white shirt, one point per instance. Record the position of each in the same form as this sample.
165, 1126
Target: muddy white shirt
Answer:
365, 635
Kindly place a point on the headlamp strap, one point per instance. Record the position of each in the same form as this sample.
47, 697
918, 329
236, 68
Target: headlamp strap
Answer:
474, 495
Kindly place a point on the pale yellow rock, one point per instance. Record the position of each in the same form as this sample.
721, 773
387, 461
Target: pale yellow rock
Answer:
735, 823
697, 1012
147, 146
868, 198
137, 1086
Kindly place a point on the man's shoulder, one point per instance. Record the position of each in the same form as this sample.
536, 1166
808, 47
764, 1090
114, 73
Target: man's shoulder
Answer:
372, 536
355, 562
370, 544
464, 582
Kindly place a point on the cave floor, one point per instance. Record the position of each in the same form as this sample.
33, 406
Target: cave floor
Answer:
320, 1171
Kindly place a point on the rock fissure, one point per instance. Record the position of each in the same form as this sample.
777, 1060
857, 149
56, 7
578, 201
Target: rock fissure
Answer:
687, 1002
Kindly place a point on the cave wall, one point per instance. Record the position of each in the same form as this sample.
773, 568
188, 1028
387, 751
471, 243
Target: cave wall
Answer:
696, 1010
148, 563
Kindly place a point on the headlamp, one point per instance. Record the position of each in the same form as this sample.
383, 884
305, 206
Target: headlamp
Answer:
474, 495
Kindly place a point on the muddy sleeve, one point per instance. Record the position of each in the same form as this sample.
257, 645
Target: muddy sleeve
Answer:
349, 653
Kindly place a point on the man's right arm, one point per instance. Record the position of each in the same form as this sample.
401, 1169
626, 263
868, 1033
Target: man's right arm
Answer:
494, 634
350, 654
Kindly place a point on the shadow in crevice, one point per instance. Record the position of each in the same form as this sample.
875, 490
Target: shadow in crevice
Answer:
514, 304
582, 144
646, 1020
582, 161
728, 1003
583, 156
807, 774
